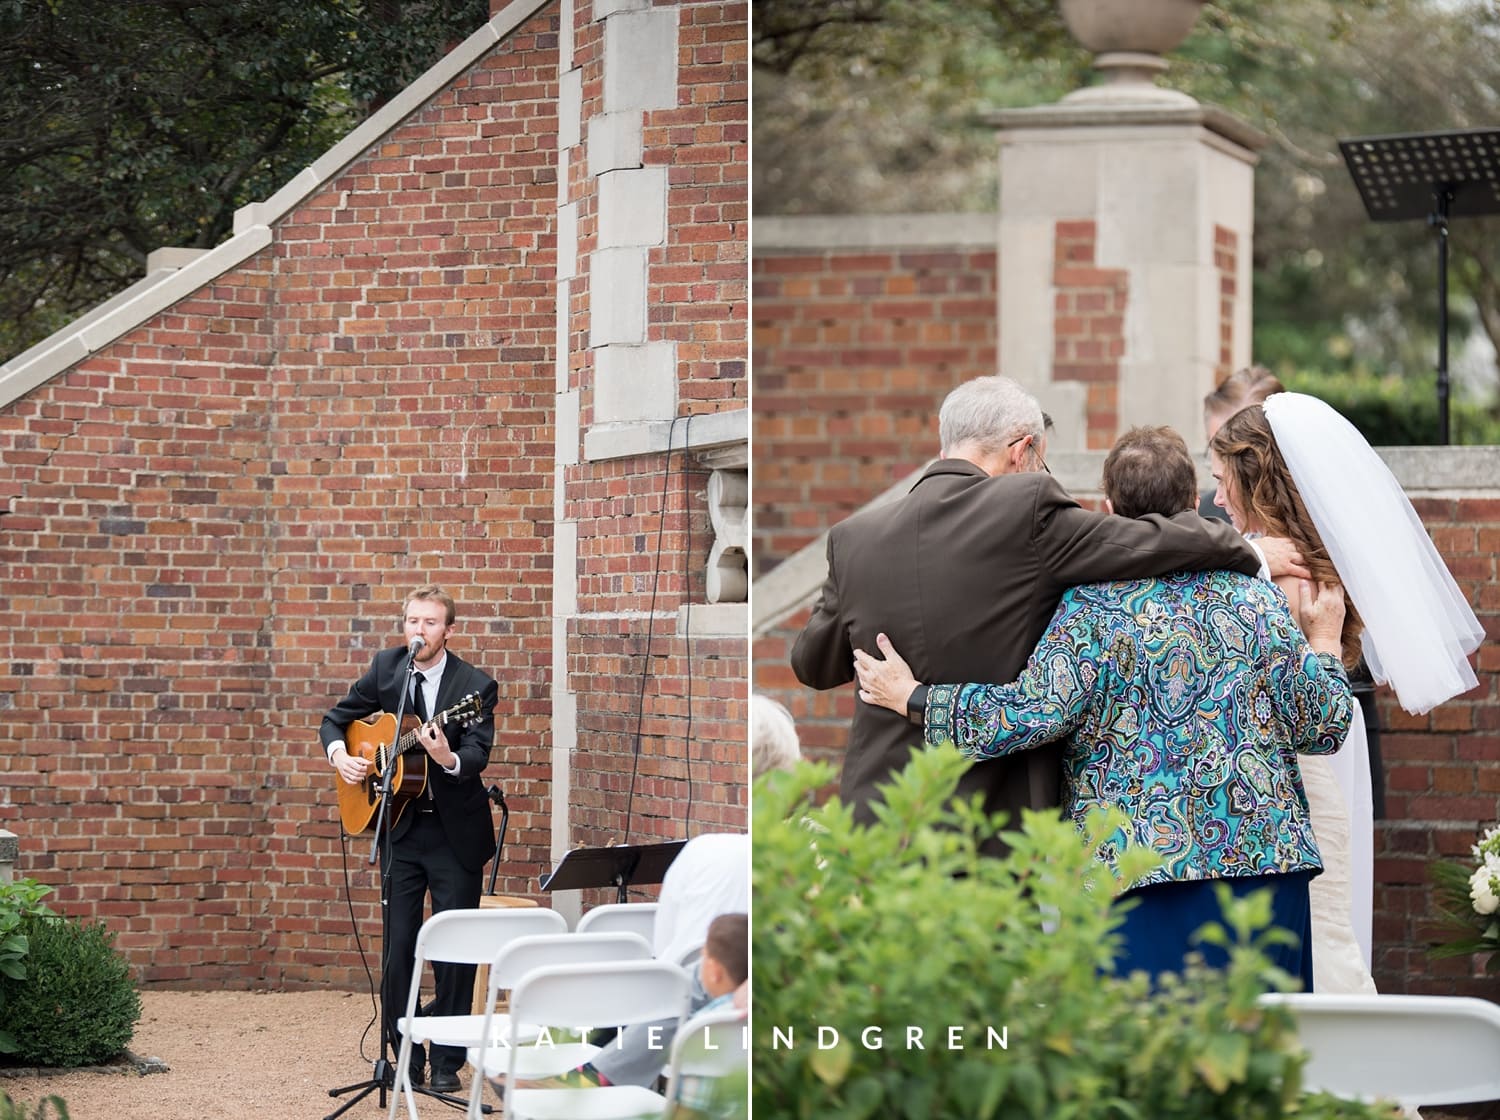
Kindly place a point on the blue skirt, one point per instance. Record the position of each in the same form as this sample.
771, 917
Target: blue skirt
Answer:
1159, 928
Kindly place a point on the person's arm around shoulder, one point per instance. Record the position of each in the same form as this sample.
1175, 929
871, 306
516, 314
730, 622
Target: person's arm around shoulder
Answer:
1077, 546
822, 656
1044, 704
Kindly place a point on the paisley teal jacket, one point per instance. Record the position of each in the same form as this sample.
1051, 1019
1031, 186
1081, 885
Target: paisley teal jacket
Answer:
1184, 701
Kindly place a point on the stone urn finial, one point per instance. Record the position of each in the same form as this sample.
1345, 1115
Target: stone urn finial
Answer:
1128, 38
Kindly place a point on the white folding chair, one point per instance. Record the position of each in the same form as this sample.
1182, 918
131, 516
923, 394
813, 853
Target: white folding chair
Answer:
495, 1032
458, 937
1415, 1050
709, 1045
636, 917
579, 997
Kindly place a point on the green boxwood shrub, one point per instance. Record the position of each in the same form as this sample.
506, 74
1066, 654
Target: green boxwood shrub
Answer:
77, 1004
899, 973
19, 900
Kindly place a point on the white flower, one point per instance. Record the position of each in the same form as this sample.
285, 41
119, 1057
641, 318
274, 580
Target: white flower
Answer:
1489, 845
1484, 889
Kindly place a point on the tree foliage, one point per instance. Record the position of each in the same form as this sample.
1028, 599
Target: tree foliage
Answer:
129, 125
879, 106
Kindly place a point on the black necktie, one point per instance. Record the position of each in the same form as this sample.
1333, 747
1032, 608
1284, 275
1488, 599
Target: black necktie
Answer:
419, 700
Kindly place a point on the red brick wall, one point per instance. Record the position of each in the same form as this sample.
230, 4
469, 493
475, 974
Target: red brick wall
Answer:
698, 282
853, 352
1089, 327
146, 752
1442, 770
1226, 260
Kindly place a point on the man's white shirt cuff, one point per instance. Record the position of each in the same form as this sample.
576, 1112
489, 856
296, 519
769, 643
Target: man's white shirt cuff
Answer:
1265, 570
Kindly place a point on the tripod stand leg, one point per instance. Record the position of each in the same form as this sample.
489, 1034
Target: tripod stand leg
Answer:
379, 1080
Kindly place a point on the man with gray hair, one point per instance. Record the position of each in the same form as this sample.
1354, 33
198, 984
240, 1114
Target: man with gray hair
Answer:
963, 574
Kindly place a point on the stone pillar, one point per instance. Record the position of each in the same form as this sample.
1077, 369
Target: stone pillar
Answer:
1126, 217
10, 852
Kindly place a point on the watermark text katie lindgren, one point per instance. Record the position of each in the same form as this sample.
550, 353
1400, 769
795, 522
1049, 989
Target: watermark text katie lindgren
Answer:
912, 1037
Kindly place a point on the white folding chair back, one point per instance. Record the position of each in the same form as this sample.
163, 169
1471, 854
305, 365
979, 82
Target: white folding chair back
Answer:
714, 1045
497, 1032
635, 917
1416, 1050
593, 995
458, 937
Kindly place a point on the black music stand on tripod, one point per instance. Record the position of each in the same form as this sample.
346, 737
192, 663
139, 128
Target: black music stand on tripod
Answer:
620, 867
1433, 176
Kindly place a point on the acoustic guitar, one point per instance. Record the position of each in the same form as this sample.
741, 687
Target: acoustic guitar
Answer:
371, 739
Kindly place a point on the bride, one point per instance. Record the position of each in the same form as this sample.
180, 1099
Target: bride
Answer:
1293, 467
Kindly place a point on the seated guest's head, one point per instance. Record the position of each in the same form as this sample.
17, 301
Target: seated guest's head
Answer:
726, 954
773, 737
1149, 470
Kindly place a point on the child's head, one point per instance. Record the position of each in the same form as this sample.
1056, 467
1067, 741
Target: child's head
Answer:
726, 954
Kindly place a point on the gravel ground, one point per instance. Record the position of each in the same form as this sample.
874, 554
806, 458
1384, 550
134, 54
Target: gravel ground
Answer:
271, 1055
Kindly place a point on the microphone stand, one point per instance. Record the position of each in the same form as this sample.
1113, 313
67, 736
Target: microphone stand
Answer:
497, 796
382, 1078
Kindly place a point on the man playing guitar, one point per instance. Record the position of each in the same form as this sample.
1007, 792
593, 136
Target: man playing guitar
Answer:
445, 835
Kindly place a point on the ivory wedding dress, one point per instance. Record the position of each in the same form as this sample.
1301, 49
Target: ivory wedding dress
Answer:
1419, 631
1340, 898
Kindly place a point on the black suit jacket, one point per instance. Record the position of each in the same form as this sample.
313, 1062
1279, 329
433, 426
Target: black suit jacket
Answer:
461, 802
963, 574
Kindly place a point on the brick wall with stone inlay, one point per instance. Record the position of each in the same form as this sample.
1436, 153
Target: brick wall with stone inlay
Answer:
211, 523
660, 711
1089, 327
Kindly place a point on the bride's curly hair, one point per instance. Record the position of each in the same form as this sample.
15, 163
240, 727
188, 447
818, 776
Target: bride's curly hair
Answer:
1257, 476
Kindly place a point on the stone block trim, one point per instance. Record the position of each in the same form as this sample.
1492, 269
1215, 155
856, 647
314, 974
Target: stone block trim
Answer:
1089, 305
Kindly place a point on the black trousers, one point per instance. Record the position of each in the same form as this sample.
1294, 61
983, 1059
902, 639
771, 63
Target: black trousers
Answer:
422, 862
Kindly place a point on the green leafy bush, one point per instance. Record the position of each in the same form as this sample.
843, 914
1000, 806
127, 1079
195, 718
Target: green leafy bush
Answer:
1397, 411
14, 1110
865, 936
77, 1004
19, 900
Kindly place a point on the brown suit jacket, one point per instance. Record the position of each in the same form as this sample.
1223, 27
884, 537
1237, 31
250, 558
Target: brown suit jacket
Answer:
963, 574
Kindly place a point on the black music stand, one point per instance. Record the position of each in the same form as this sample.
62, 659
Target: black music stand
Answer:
619, 867
1434, 176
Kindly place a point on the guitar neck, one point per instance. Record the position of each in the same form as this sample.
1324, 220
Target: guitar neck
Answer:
408, 741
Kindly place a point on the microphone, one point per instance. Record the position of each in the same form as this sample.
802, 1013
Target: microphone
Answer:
415, 647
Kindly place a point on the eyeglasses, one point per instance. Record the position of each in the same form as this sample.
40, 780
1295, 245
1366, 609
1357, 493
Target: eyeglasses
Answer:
1032, 449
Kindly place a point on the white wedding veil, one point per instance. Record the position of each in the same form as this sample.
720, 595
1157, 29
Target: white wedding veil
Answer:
1419, 629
